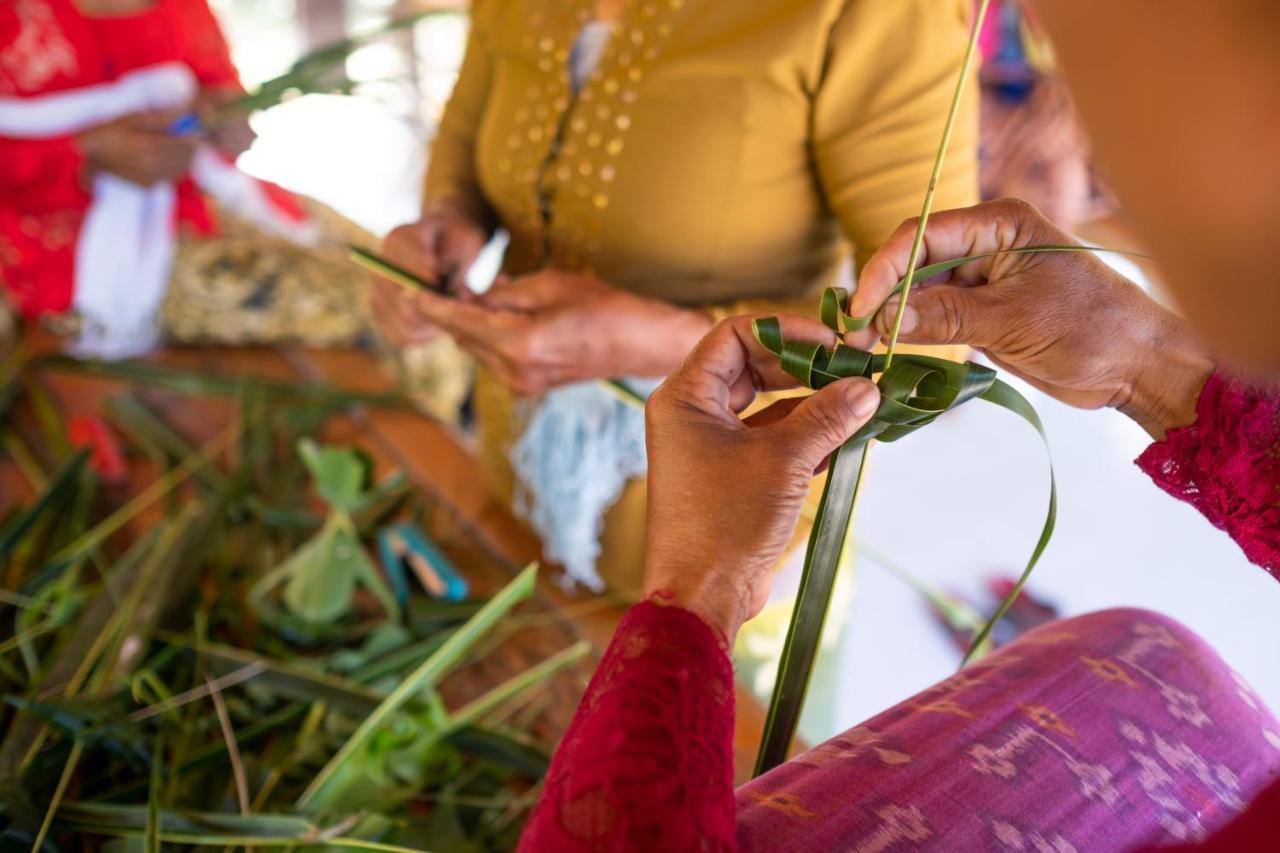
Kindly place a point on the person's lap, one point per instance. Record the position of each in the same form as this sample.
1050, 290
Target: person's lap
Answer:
1109, 731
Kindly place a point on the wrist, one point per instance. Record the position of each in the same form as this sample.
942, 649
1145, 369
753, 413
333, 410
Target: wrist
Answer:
679, 329
458, 211
1165, 386
718, 615
693, 585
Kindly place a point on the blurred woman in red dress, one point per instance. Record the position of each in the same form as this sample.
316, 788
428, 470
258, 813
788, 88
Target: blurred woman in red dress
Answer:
118, 135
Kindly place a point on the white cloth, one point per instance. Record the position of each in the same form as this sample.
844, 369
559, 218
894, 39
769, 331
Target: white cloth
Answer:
581, 446
126, 242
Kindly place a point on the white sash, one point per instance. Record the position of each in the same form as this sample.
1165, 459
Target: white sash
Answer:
126, 242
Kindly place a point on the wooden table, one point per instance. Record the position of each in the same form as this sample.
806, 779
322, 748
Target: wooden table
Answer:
436, 457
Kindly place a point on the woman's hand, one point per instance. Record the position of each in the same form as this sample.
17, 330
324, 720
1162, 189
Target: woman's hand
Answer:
1064, 321
228, 129
139, 148
439, 247
552, 328
725, 494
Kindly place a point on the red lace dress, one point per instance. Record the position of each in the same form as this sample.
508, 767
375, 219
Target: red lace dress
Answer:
647, 762
48, 46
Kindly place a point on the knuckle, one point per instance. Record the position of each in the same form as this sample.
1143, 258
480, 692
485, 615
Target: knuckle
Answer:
950, 317
826, 426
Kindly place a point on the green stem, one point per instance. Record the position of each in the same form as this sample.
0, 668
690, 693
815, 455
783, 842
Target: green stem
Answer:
58, 793
508, 690
822, 562
171, 479
844, 481
935, 177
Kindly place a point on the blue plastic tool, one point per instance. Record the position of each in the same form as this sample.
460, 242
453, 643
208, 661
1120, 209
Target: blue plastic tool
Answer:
404, 545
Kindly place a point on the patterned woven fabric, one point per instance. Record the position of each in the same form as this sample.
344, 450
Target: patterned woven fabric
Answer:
1112, 731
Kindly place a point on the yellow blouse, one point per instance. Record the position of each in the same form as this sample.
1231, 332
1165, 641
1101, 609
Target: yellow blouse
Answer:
720, 152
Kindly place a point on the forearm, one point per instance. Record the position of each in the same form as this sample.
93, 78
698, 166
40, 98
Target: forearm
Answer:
659, 345
647, 763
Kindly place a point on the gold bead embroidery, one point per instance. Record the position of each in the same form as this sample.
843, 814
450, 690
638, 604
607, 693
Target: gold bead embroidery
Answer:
553, 169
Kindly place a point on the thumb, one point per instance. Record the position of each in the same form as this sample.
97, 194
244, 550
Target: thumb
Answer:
944, 314
826, 419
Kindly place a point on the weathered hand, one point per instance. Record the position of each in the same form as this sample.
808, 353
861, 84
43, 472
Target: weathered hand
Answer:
139, 148
551, 328
441, 246
725, 494
1064, 321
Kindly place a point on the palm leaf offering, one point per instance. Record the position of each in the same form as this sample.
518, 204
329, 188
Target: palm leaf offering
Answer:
915, 390
210, 657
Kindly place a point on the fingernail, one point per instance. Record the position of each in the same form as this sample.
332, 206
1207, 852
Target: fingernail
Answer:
864, 398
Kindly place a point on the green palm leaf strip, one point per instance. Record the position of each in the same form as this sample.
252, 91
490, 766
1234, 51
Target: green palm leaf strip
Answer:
913, 393
915, 390
362, 257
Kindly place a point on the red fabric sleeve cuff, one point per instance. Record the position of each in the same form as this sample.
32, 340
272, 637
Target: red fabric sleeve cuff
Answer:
1227, 465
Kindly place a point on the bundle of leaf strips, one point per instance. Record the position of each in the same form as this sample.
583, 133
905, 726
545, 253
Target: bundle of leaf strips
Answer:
915, 390
160, 693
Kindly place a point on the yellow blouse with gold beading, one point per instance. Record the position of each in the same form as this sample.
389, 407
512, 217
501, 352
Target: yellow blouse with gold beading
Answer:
724, 154
722, 150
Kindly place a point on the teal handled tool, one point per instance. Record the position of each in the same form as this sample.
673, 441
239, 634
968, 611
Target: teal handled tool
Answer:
405, 545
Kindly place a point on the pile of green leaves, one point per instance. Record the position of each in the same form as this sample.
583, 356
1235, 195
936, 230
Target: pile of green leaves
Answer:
238, 674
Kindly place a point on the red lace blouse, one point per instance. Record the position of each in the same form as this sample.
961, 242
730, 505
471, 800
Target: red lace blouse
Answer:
48, 46
647, 762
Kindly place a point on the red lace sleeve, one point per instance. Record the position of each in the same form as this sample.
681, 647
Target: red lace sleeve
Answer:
647, 763
1227, 465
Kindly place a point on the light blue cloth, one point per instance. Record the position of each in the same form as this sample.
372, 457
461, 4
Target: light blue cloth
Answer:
581, 446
